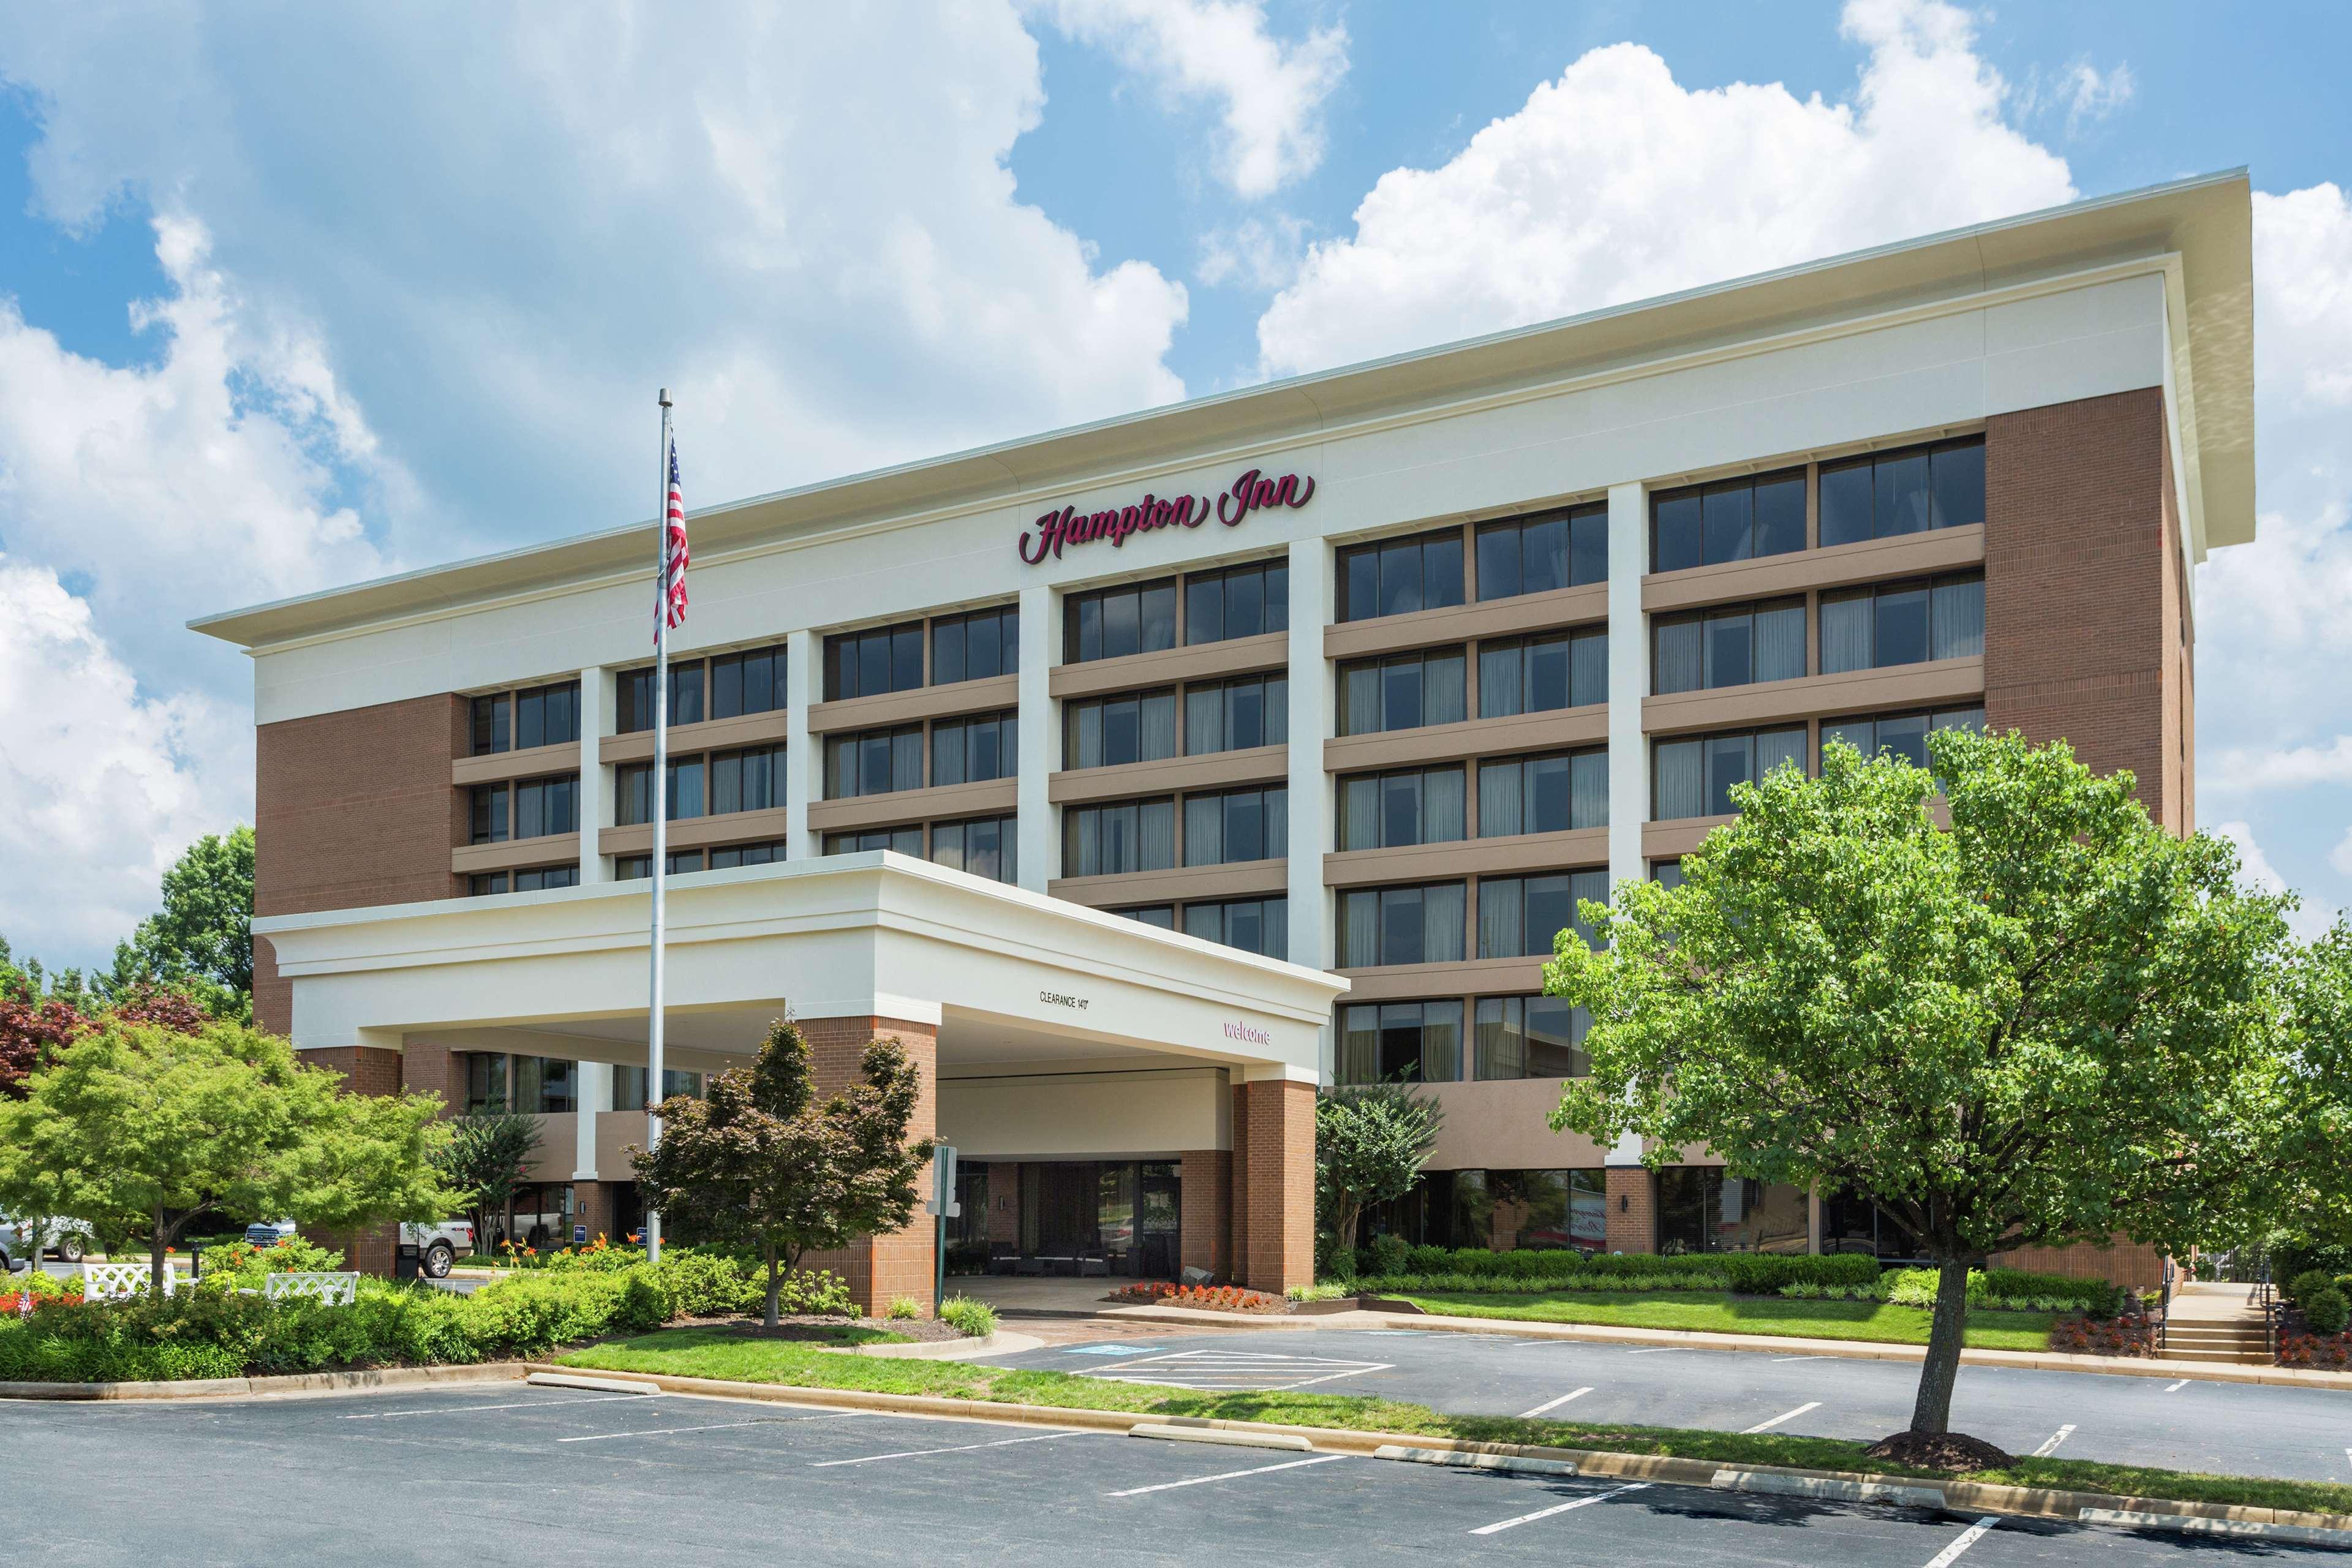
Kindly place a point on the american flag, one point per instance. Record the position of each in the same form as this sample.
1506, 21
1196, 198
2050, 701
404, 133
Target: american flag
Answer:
672, 596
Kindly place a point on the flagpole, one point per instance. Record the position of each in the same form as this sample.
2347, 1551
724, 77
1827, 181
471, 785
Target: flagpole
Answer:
660, 790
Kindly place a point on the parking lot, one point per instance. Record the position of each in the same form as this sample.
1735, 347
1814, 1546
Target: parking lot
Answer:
504, 1473
2179, 1422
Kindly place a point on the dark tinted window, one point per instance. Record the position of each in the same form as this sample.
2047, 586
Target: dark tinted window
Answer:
1106, 732
1238, 602
1398, 576
1254, 925
1395, 1041
1424, 923
1112, 623
1540, 674
1903, 623
1237, 826
1692, 775
750, 682
970, 750
897, 840
1392, 810
1518, 916
869, 663
493, 724
547, 715
1549, 794
1402, 691
1119, 838
1234, 715
1733, 520
983, 848
976, 646
875, 762
1909, 491
1733, 646
1533, 556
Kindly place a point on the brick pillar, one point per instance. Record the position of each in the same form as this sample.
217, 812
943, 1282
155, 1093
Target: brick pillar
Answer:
1632, 1209
1004, 1204
1205, 1187
1237, 1248
1276, 1183
879, 1268
592, 1206
364, 1070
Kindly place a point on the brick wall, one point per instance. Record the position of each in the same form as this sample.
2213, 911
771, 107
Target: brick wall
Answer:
2085, 627
351, 809
2126, 1263
1273, 1183
1204, 1192
1237, 1191
365, 1071
881, 1268
1633, 1195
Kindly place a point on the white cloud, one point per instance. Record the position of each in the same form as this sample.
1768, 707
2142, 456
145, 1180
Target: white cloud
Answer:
1262, 254
2282, 767
2341, 856
2091, 94
1615, 183
2315, 915
1270, 93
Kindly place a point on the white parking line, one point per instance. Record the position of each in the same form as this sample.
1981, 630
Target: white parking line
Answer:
2176, 1388
1554, 1405
2051, 1446
960, 1448
1227, 1476
1785, 1415
1803, 1358
1968, 1537
1556, 1508
1213, 1370
1656, 1350
674, 1431
517, 1404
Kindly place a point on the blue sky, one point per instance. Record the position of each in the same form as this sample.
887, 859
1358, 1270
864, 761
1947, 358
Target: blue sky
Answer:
273, 323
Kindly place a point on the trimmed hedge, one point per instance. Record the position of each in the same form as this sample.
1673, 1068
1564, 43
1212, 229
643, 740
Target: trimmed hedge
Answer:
1751, 1273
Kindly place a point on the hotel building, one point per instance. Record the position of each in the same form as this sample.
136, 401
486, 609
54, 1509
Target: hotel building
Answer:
1143, 776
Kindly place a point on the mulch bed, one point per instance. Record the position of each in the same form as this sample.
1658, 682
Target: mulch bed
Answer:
819, 1328
1954, 1451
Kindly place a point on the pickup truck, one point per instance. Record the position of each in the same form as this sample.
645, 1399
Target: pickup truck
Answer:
439, 1246
67, 1238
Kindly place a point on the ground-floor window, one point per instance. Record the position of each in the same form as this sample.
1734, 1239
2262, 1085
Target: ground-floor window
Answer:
1701, 1208
1498, 1210
1071, 1217
1851, 1222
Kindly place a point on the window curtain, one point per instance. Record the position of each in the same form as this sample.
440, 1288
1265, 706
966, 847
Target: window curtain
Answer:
1159, 835
1680, 648
1500, 799
1363, 695
1845, 634
1360, 932
1443, 691
1498, 682
1443, 914
1441, 1041
1277, 822
1587, 787
1588, 669
1781, 643
1774, 747
1440, 805
1502, 923
1958, 620
1159, 726
1359, 1045
1501, 1044
1204, 721
1682, 779
1360, 814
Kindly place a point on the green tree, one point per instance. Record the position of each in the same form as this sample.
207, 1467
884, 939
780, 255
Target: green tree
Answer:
485, 1157
202, 939
2050, 1023
138, 1129
761, 1163
1371, 1141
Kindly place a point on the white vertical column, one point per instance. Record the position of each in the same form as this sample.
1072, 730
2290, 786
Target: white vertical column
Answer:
595, 813
1038, 846
803, 768
595, 1095
1310, 725
1628, 682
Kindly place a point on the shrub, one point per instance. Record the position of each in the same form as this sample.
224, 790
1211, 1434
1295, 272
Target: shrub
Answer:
977, 1319
2326, 1310
1387, 1254
705, 1284
2300, 1290
1426, 1260
903, 1308
241, 1265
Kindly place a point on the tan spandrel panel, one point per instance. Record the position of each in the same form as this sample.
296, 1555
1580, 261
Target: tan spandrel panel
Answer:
1216, 770
531, 762
1501, 1125
1440, 982
888, 708
1837, 566
1183, 884
695, 832
550, 849
559, 1147
1142, 671
711, 735
1585, 605
1468, 858
615, 1132
1947, 682
1673, 840
989, 797
1565, 727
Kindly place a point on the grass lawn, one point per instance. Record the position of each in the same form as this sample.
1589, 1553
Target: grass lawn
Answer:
1878, 1321
709, 1353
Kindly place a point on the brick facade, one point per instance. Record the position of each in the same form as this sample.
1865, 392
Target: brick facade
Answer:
2127, 1263
365, 1069
1274, 1184
1632, 1196
880, 1268
1204, 1195
351, 810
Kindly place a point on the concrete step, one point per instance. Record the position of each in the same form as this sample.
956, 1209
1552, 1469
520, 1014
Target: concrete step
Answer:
2257, 1356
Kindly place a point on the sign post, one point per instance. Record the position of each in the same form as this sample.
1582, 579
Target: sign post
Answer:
944, 1208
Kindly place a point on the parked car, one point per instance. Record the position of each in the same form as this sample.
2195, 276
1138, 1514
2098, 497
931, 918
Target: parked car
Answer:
439, 1246
268, 1232
67, 1239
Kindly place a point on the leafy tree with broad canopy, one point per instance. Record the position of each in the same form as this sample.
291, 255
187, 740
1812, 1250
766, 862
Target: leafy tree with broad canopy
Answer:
486, 1158
138, 1128
762, 1162
2051, 1021
1371, 1141
201, 941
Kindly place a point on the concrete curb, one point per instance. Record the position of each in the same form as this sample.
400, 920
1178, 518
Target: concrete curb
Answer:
251, 1387
1001, 1342
1958, 1496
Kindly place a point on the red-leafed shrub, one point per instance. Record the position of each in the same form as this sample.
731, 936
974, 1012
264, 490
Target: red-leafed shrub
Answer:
2128, 1335
1208, 1297
2333, 1350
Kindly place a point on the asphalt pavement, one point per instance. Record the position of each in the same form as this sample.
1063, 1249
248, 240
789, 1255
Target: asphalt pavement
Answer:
500, 1473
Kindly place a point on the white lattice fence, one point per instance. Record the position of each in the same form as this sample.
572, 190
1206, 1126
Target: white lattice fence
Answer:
335, 1289
119, 1281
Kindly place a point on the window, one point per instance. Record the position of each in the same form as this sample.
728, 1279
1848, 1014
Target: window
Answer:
683, 792
633, 697
1735, 646
1536, 554
487, 1074
1111, 623
1903, 623
750, 682
1389, 811
1398, 576
493, 724
629, 1087
539, 877
1254, 925
1119, 839
869, 663
1904, 734
1530, 1036
1402, 691
1106, 732
1667, 874
1236, 715
547, 1085
1160, 915
971, 750
875, 762
746, 781
637, 868
487, 883
489, 815
1381, 926
975, 647
547, 715
1694, 775
1239, 825
1508, 1211
1910, 492
1394, 1041
1239, 602
1549, 794
1518, 916
897, 840
983, 848
1737, 520
1705, 1208
1537, 675
765, 853
531, 810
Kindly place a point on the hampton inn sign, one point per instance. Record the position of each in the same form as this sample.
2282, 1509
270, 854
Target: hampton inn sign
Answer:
1245, 495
